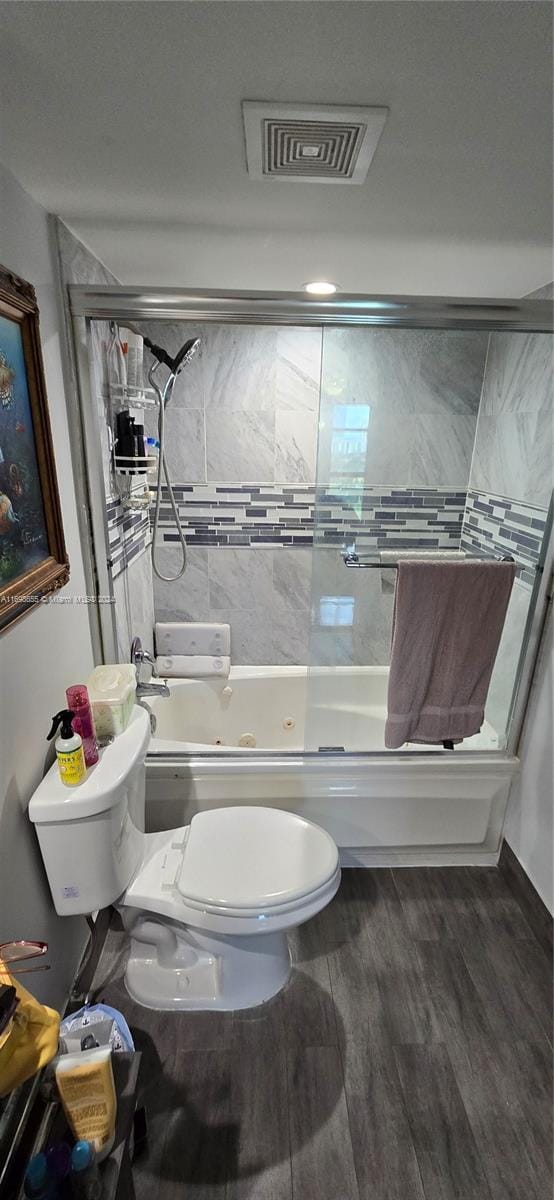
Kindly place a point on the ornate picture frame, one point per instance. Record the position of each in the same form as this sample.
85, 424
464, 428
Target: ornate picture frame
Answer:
33, 558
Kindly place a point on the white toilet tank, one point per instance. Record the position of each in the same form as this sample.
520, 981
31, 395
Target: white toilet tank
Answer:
91, 836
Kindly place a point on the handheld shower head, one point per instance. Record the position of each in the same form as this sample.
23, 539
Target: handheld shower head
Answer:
164, 394
183, 357
180, 360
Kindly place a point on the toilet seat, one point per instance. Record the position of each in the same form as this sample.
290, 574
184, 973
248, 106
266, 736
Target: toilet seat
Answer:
179, 878
240, 861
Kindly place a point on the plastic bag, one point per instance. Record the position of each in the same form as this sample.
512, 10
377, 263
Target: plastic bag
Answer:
104, 1025
31, 1039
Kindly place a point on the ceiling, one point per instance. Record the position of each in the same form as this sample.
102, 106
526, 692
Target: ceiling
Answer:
125, 119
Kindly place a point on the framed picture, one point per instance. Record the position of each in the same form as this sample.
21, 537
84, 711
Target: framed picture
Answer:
33, 560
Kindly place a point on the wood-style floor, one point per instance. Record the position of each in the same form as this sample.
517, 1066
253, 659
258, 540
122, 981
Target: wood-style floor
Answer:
409, 1058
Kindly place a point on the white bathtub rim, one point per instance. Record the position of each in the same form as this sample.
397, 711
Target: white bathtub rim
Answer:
355, 764
280, 672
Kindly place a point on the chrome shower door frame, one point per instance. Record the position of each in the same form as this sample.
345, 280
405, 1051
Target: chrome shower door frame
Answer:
282, 308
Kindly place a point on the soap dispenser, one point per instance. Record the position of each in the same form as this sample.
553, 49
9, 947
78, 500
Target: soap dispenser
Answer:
69, 749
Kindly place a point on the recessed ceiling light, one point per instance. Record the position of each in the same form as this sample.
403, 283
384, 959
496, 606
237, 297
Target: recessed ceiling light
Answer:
320, 288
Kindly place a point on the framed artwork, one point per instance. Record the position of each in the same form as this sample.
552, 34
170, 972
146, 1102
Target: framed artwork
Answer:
33, 560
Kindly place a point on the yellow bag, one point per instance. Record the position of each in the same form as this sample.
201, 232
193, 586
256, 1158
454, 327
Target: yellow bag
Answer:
30, 1040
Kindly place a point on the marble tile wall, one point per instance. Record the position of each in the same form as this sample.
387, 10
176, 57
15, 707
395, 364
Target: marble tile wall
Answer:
399, 406
396, 429
510, 485
132, 589
351, 613
246, 407
513, 441
265, 596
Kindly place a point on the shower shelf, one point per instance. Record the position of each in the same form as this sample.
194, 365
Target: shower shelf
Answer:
135, 397
134, 465
137, 503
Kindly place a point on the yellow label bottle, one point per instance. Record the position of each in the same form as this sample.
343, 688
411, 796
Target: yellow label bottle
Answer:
69, 749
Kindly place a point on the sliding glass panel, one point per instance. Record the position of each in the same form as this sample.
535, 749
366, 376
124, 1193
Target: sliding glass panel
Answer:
430, 440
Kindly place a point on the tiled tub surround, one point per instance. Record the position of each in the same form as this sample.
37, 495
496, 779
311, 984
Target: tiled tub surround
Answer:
279, 603
498, 525
513, 441
396, 405
269, 561
399, 404
249, 398
270, 515
495, 525
129, 535
264, 594
510, 484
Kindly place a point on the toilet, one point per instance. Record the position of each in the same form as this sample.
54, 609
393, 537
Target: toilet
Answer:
207, 906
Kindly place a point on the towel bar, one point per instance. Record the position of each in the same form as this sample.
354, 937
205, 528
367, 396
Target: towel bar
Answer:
353, 560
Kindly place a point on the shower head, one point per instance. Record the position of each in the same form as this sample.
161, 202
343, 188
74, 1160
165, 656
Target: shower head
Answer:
180, 360
185, 354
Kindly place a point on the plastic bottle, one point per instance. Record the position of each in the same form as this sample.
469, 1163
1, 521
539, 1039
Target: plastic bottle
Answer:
83, 722
125, 445
117, 363
58, 1159
135, 347
86, 1181
38, 1183
140, 449
69, 749
153, 452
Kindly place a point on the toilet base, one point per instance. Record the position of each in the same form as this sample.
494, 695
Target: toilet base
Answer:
173, 967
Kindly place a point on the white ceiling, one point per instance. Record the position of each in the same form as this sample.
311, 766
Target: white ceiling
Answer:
125, 119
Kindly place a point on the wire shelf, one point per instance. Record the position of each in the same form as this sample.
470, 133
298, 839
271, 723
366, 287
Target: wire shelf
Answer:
134, 397
138, 464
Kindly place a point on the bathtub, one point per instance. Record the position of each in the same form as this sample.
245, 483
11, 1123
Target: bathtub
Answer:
312, 741
283, 709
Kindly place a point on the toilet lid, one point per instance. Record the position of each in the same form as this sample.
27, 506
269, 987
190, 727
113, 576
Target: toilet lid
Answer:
250, 858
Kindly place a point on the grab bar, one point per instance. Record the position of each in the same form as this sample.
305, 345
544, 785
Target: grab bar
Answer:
351, 559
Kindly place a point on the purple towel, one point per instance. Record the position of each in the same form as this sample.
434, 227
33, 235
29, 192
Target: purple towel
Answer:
447, 623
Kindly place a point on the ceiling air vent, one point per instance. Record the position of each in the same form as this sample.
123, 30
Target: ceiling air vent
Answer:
310, 145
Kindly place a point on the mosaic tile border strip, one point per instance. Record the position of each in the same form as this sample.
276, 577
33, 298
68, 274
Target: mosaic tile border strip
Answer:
128, 535
254, 515
497, 525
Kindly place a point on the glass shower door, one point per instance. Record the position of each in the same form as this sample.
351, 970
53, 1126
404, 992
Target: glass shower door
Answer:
429, 440
351, 606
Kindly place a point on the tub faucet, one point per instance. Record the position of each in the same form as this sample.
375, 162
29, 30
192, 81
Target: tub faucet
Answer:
139, 656
152, 688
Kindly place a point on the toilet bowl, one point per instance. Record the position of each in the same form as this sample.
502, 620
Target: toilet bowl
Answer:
207, 906
209, 909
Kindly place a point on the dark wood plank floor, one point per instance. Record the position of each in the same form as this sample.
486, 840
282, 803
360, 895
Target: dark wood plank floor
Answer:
409, 1058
